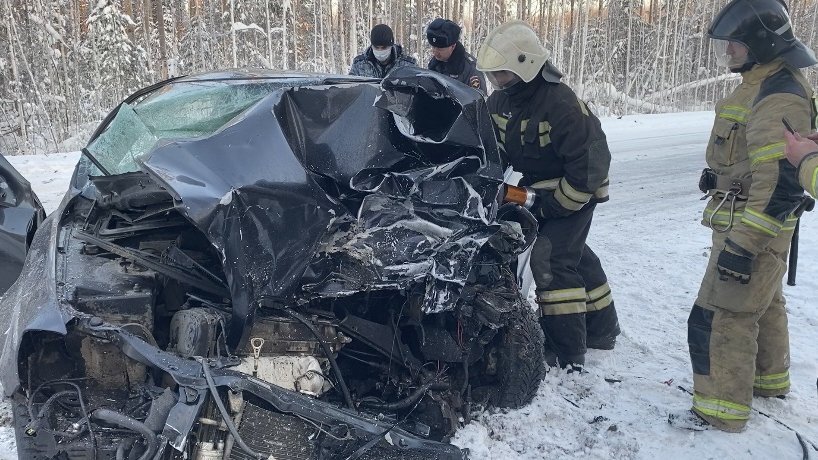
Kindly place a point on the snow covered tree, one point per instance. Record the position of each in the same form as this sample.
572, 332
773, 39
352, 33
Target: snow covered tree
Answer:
64, 63
117, 66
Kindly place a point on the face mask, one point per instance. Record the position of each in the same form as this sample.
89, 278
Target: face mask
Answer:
382, 55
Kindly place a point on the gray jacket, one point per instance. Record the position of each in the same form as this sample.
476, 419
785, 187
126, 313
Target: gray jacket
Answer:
366, 65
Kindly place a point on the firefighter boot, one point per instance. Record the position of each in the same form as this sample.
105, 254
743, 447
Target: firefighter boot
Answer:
603, 327
564, 340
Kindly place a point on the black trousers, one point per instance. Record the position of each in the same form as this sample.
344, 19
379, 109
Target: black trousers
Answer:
572, 289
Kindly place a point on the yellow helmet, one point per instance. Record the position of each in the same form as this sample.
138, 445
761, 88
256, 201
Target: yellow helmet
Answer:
513, 46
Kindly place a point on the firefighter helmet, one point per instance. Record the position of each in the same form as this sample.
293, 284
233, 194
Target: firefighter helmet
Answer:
512, 46
764, 28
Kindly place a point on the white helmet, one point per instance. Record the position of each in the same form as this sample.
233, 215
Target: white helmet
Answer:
513, 46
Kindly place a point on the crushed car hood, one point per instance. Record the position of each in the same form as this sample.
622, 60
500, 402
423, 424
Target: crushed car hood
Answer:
319, 189
316, 191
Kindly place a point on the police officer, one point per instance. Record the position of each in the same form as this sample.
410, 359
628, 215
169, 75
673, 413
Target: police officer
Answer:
550, 136
737, 329
381, 56
449, 57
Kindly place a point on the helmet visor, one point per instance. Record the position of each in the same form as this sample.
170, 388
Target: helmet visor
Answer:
502, 79
731, 54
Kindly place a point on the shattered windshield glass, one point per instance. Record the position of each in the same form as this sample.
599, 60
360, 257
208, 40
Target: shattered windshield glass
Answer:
181, 110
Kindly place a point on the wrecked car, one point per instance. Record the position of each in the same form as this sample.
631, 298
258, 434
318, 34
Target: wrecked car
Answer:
20, 214
252, 264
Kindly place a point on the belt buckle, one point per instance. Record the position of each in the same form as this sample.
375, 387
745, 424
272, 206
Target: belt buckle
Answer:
735, 187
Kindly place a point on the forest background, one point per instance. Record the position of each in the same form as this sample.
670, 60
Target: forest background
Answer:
65, 63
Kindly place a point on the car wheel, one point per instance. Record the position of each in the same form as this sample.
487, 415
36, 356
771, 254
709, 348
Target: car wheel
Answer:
521, 362
513, 364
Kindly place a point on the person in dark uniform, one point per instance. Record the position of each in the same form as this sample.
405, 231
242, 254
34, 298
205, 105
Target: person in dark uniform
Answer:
550, 136
449, 57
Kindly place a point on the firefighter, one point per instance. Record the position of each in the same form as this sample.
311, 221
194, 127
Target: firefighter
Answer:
550, 136
802, 152
737, 329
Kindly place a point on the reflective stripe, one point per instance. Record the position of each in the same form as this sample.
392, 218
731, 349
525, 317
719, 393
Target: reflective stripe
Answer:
722, 409
599, 297
562, 301
787, 26
583, 107
603, 302
773, 381
734, 113
543, 129
548, 184
813, 189
501, 122
565, 308
761, 221
501, 125
574, 194
602, 191
790, 223
754, 219
553, 184
570, 198
598, 292
772, 152
722, 217
561, 295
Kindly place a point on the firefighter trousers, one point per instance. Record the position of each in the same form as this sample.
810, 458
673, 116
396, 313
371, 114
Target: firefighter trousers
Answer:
738, 339
572, 289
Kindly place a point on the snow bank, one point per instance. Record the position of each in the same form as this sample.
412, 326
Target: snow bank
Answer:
654, 251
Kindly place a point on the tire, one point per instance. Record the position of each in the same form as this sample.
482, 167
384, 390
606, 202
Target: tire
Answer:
521, 366
514, 364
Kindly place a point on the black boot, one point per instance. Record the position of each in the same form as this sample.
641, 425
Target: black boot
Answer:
603, 327
564, 340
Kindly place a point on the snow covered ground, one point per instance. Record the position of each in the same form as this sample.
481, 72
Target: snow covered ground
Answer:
654, 251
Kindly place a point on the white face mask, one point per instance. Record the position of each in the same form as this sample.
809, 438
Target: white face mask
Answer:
382, 55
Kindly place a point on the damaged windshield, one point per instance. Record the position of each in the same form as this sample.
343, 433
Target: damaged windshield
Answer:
181, 110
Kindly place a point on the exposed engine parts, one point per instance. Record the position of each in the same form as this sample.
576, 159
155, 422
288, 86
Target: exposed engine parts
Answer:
244, 282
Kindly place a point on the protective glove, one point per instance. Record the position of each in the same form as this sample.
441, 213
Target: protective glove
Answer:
547, 207
731, 264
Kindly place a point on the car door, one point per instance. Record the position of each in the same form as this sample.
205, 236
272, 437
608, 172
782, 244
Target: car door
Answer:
20, 215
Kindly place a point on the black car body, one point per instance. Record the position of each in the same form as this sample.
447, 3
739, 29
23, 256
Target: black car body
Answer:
21, 213
258, 264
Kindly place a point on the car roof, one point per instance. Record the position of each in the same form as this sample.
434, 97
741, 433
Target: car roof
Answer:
294, 77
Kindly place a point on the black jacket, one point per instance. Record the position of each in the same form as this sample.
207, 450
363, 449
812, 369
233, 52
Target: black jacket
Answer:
462, 67
367, 65
550, 136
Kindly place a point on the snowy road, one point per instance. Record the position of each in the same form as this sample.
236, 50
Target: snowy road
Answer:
654, 251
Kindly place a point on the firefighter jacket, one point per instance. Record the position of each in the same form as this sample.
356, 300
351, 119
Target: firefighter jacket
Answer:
366, 65
548, 134
747, 146
462, 67
808, 174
